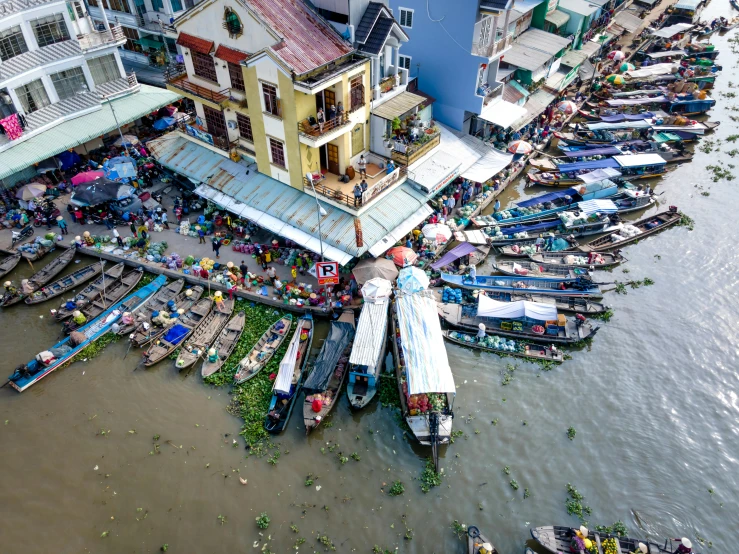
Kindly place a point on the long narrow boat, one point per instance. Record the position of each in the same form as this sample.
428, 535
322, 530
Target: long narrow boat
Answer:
109, 297
477, 543
263, 351
39, 253
370, 341
323, 384
290, 376
194, 348
569, 259
224, 345
541, 270
151, 329
555, 539
41, 277
178, 332
569, 305
534, 322
633, 232
496, 345
68, 282
563, 228
155, 303
32, 372
524, 247
575, 287
8, 264
90, 293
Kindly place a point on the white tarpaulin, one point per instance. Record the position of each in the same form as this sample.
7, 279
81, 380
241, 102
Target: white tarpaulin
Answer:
599, 175
371, 330
667, 32
503, 113
652, 70
487, 307
636, 160
473, 237
426, 362
641, 124
284, 379
637, 101
666, 54
493, 162
597, 206
627, 21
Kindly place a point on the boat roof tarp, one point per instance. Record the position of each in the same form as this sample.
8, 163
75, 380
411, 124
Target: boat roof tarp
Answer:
338, 339
652, 70
604, 151
487, 307
592, 164
637, 160
636, 101
474, 237
667, 32
626, 125
666, 54
454, 254
599, 175
284, 379
548, 197
371, 332
426, 363
493, 162
627, 117
687, 4
603, 206
531, 228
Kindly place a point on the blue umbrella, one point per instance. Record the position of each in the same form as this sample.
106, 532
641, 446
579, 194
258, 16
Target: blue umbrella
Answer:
161, 124
68, 159
412, 279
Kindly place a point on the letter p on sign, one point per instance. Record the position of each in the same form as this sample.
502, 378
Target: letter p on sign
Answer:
327, 273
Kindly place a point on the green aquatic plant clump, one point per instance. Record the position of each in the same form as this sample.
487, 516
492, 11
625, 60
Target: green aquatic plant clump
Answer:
429, 477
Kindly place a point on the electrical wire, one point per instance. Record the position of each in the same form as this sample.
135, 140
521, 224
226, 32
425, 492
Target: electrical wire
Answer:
439, 21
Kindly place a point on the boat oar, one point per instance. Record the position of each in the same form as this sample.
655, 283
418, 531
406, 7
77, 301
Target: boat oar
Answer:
130, 344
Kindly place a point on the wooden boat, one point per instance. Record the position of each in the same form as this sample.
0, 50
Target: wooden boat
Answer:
477, 543
540, 269
576, 287
224, 344
323, 384
567, 259
554, 229
290, 376
555, 539
178, 332
155, 303
110, 296
8, 264
41, 277
733, 22
90, 293
40, 253
194, 348
523, 247
562, 330
262, 352
32, 372
568, 305
535, 352
59, 287
147, 330
647, 226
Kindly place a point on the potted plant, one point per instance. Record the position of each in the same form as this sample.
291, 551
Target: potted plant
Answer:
396, 126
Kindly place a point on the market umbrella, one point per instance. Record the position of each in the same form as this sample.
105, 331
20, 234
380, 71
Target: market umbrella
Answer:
120, 160
616, 55
163, 123
567, 107
99, 191
86, 177
412, 279
377, 288
616, 79
520, 147
402, 256
31, 191
373, 268
626, 66
433, 230
127, 140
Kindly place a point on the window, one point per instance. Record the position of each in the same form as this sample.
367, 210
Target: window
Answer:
176, 5
405, 62
132, 35
33, 96
237, 77
271, 102
50, 29
356, 93
278, 152
215, 122
232, 23
119, 6
79, 10
357, 139
336, 17
157, 5
93, 3
69, 82
204, 66
406, 18
245, 127
12, 43
104, 69
189, 4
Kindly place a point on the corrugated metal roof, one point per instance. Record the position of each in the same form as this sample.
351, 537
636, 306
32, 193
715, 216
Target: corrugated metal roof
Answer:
377, 37
283, 202
573, 58
557, 18
368, 21
535, 105
82, 129
526, 58
687, 4
195, 43
397, 106
627, 21
543, 41
578, 6
39, 57
371, 332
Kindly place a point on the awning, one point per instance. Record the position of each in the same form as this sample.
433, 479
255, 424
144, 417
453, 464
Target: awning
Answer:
493, 162
604, 151
230, 55
627, 21
603, 206
573, 58
542, 40
650, 70
79, 130
593, 164
616, 118
435, 172
503, 113
454, 254
687, 4
535, 105
557, 18
637, 160
637, 101
195, 43
555, 80
672, 30
526, 57
394, 236
397, 106
147, 42
371, 332
547, 197
487, 307
599, 175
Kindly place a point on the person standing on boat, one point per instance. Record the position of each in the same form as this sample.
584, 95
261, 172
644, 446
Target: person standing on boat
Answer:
539, 243
496, 206
480, 332
472, 274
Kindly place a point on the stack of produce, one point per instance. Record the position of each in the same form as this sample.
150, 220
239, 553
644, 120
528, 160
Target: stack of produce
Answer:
207, 264
610, 546
451, 296
155, 251
184, 227
527, 249
32, 248
324, 398
572, 218
173, 261
573, 259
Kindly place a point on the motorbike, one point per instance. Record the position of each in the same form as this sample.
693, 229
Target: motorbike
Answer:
24, 233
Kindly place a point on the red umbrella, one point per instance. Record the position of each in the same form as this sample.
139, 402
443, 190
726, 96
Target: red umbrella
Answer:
402, 256
86, 177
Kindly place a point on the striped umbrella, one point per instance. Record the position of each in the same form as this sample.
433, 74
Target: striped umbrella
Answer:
616, 79
567, 107
520, 147
616, 55
626, 66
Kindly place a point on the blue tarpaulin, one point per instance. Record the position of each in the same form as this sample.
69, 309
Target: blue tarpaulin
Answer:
510, 231
454, 254
626, 117
546, 198
176, 334
595, 164
605, 151
163, 123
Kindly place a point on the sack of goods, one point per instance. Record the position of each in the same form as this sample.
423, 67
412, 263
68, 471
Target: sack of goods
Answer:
629, 231
451, 296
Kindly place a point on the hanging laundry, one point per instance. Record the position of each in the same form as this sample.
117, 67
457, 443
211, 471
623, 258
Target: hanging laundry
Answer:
12, 127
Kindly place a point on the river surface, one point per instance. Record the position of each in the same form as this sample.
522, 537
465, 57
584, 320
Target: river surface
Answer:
653, 400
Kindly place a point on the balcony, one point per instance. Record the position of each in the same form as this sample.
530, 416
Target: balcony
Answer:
408, 154
100, 39
200, 133
492, 49
178, 82
153, 23
315, 135
493, 93
391, 86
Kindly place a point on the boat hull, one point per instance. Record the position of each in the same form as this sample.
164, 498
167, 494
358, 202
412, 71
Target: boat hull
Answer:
543, 353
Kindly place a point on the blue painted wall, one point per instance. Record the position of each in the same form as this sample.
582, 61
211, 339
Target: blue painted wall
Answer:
448, 70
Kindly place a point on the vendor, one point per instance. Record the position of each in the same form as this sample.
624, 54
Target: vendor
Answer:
271, 273
472, 274
79, 318
212, 356
685, 547
26, 287
480, 332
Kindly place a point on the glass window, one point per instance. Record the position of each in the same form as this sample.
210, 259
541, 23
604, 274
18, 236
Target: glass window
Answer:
406, 18
132, 35
93, 3
33, 96
237, 77
356, 93
157, 5
104, 69
215, 121
204, 66
405, 62
12, 43
245, 127
69, 82
271, 102
50, 29
119, 6
176, 5
278, 152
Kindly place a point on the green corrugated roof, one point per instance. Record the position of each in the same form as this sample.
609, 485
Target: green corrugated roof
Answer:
82, 129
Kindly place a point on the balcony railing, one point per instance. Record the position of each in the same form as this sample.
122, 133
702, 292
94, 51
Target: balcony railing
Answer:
333, 194
492, 94
181, 83
220, 142
415, 151
493, 48
156, 25
94, 39
314, 129
386, 182
132, 80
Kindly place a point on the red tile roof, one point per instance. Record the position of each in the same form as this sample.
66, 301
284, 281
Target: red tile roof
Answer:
195, 43
308, 42
230, 55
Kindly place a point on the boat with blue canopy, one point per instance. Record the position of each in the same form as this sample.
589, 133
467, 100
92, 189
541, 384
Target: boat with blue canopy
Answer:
576, 287
690, 107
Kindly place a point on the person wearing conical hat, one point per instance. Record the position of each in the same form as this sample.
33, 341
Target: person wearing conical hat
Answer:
212, 355
79, 318
685, 546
